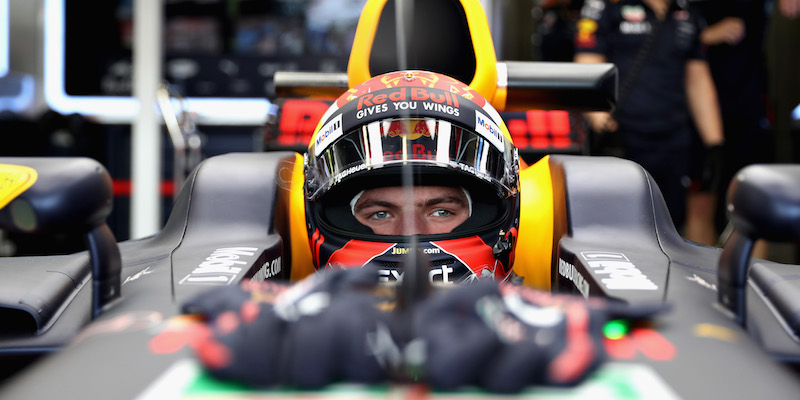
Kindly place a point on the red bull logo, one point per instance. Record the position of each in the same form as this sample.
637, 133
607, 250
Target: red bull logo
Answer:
403, 129
410, 130
586, 32
404, 94
418, 152
425, 78
411, 79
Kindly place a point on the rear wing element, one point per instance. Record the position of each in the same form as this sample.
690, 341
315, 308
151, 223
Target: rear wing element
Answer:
541, 103
522, 85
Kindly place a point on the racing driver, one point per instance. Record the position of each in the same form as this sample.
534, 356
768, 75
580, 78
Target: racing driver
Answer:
413, 160
407, 163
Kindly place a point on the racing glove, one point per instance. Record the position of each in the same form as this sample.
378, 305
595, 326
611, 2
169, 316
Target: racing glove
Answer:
307, 335
713, 161
335, 326
505, 337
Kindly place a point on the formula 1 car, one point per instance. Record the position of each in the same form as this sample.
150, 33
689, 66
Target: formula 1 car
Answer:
107, 322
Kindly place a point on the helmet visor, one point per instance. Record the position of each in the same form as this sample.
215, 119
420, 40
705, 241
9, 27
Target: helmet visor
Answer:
428, 142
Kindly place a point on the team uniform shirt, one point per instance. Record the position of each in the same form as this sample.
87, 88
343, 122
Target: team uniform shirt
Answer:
656, 103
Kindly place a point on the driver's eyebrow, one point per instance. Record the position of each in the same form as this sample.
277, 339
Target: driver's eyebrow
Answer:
374, 203
392, 205
445, 200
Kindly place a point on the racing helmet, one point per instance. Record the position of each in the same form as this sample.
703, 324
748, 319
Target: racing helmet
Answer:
428, 129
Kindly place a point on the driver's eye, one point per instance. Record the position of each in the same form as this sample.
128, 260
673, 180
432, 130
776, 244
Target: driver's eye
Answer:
441, 213
381, 215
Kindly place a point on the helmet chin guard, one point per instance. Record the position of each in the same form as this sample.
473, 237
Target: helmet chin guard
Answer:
425, 129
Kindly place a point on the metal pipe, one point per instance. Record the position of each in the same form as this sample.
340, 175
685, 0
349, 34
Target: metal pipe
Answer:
145, 215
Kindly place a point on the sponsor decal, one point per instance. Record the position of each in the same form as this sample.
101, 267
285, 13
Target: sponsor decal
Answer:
327, 134
406, 79
348, 96
442, 108
407, 99
473, 171
569, 271
425, 78
426, 250
593, 9
268, 270
338, 178
138, 275
474, 259
442, 274
714, 331
686, 31
702, 282
403, 129
476, 255
634, 28
418, 152
489, 130
469, 94
617, 272
681, 15
376, 109
634, 13
15, 179
586, 33
221, 267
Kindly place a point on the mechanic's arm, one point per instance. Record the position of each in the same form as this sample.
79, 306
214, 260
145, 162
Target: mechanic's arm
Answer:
730, 30
789, 8
703, 104
600, 121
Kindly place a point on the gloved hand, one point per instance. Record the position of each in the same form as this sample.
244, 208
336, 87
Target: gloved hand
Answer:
308, 335
335, 326
713, 162
506, 337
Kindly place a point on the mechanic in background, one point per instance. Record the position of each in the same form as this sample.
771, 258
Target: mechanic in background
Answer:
734, 37
783, 68
665, 84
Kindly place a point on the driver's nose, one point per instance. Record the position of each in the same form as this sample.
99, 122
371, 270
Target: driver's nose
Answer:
415, 225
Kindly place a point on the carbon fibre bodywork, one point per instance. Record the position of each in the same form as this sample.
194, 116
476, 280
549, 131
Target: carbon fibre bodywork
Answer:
226, 228
106, 323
